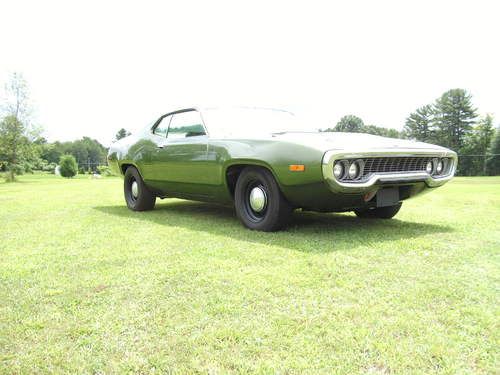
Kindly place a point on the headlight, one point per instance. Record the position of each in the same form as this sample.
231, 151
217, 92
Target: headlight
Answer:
338, 170
353, 170
440, 166
429, 167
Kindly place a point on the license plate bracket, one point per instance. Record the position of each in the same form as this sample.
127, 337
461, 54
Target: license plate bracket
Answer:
387, 197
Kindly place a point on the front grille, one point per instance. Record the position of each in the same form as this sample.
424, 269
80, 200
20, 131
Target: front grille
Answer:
393, 165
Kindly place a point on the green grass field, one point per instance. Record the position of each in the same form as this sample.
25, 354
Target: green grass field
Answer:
87, 286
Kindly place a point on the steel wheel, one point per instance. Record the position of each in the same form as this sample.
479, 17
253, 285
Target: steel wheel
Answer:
260, 205
137, 194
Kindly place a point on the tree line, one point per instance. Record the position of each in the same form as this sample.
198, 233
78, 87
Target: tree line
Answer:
450, 121
23, 149
88, 153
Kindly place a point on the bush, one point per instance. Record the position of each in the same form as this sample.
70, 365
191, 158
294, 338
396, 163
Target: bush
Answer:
43, 165
49, 167
28, 168
68, 166
104, 170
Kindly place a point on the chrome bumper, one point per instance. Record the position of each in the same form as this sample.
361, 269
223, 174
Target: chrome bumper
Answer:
385, 178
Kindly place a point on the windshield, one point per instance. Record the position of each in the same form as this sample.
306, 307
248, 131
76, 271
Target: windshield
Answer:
250, 121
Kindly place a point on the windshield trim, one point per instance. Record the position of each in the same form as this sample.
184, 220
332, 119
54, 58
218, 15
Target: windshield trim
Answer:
223, 132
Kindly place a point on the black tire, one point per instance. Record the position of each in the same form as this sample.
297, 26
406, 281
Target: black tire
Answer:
145, 199
379, 213
276, 212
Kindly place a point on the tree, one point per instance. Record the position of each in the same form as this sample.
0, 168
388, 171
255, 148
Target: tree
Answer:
88, 152
68, 166
79, 152
483, 133
17, 103
349, 123
493, 160
17, 133
95, 151
122, 133
454, 118
51, 152
14, 146
380, 130
476, 144
419, 125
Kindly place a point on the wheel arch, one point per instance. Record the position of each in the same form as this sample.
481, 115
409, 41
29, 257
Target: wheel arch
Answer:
233, 171
124, 166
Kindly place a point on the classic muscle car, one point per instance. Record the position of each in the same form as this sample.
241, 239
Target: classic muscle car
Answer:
265, 164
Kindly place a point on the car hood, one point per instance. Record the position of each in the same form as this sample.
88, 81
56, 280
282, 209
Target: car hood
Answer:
352, 141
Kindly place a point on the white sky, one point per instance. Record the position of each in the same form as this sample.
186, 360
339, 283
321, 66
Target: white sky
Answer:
96, 66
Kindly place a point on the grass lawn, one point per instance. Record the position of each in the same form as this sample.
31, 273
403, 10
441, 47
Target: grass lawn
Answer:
87, 286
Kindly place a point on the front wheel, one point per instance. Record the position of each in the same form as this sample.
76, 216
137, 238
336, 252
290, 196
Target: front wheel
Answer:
379, 213
137, 194
259, 203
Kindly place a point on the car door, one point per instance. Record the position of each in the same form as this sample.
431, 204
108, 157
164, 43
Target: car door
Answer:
148, 150
181, 159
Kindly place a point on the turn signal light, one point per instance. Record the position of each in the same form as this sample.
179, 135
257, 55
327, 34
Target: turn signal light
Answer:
297, 168
369, 196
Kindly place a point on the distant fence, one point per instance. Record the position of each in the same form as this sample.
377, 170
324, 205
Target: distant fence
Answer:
89, 166
473, 165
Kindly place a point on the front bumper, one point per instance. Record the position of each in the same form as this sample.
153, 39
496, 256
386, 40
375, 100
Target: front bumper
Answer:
378, 179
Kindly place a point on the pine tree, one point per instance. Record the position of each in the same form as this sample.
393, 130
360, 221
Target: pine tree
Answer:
476, 145
493, 161
484, 132
454, 118
419, 125
122, 133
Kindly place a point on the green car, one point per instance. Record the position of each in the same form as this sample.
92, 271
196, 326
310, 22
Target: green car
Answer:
264, 163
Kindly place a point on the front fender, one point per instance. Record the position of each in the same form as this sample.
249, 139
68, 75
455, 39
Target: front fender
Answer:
273, 155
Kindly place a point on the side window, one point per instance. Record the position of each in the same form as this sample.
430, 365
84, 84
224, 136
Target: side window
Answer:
186, 124
162, 127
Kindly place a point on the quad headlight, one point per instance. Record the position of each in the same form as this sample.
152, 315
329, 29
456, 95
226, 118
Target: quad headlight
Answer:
348, 170
436, 166
429, 168
353, 170
338, 170
440, 166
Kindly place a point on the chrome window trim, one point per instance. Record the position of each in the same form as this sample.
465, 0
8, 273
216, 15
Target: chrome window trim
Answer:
331, 156
186, 111
157, 122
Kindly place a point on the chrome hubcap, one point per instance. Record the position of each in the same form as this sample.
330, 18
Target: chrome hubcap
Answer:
258, 199
135, 189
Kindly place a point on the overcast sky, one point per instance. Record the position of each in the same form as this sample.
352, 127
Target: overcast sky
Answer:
97, 66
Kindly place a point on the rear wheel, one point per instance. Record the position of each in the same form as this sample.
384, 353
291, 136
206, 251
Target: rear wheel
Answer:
137, 194
259, 203
379, 212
